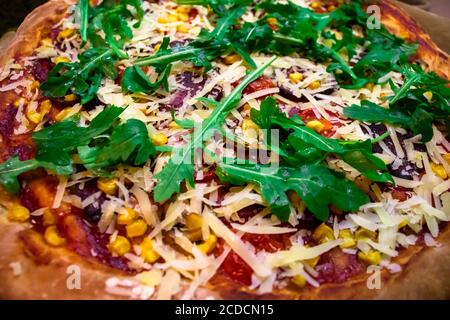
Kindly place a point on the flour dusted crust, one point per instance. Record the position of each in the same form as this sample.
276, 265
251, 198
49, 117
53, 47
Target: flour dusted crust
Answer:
43, 270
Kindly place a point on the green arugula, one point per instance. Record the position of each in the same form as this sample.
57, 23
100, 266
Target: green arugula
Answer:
129, 143
317, 186
100, 146
304, 145
410, 107
181, 165
13, 167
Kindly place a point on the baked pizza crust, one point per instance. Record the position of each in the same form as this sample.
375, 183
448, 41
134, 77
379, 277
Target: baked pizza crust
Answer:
29, 269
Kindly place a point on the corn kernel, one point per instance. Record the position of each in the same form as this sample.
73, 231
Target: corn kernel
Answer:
18, 213
231, 58
20, 101
184, 17
323, 233
136, 228
183, 28
61, 60
183, 9
272, 21
446, 157
120, 246
316, 125
63, 114
48, 218
299, 281
369, 86
194, 235
127, 216
148, 253
316, 5
168, 19
370, 257
314, 85
157, 46
45, 106
331, 8
208, 246
70, 98
159, 139
35, 84
193, 221
53, 238
296, 77
428, 95
34, 116
439, 170
348, 240
247, 107
108, 186
364, 234
66, 33
249, 124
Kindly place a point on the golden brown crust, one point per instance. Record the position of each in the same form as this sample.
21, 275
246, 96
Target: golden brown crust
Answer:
44, 274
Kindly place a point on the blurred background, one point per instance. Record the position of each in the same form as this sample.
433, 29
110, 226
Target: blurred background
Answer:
12, 12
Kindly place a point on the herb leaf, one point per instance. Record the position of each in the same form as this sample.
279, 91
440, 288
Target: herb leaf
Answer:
316, 185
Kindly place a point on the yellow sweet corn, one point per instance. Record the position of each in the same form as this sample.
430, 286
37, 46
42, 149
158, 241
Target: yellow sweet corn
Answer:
64, 34
299, 281
18, 213
20, 101
70, 98
364, 234
193, 221
148, 253
403, 224
316, 125
183, 28
47, 42
428, 95
159, 139
348, 239
315, 4
314, 85
439, 170
231, 58
120, 246
183, 9
52, 237
312, 262
127, 216
184, 17
369, 86
34, 116
208, 246
272, 21
295, 77
35, 84
108, 186
323, 233
136, 228
168, 19
48, 218
370, 257
61, 60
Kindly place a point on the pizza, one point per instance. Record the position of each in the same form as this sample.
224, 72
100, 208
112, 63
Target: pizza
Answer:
224, 149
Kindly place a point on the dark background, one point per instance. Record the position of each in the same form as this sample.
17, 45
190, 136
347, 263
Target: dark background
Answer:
12, 12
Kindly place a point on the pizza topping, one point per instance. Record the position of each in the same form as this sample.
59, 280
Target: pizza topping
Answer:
117, 118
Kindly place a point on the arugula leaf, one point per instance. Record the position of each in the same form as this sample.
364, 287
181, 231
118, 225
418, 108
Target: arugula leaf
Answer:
129, 143
13, 167
181, 165
419, 121
82, 77
135, 80
317, 186
66, 136
306, 145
